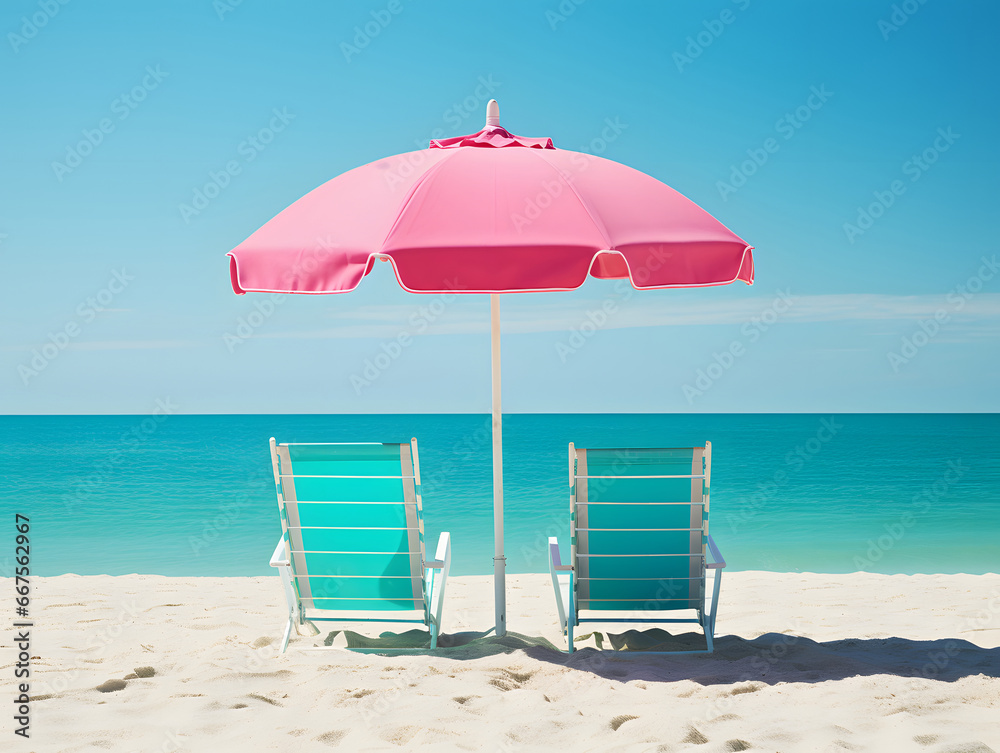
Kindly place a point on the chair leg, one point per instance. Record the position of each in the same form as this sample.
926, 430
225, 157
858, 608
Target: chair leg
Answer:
434, 634
715, 604
294, 612
571, 613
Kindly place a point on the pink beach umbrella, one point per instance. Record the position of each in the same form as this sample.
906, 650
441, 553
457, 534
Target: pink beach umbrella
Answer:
491, 213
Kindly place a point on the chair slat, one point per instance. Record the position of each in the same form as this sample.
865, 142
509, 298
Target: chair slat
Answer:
639, 522
353, 526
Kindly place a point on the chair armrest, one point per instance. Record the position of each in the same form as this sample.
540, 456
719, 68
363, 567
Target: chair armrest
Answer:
561, 584
555, 561
278, 558
435, 583
442, 556
716, 558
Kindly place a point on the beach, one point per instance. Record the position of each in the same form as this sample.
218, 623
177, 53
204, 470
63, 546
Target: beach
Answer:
803, 662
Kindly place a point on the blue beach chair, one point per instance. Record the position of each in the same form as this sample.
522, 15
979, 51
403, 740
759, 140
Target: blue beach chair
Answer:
639, 539
352, 536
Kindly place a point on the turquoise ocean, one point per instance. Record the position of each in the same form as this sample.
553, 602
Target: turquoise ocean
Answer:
193, 495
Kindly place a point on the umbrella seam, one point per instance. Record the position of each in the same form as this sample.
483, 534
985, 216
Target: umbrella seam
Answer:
598, 224
412, 192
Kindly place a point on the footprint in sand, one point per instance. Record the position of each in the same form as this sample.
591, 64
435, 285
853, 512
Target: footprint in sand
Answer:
111, 686
332, 738
259, 675
726, 718
401, 735
263, 698
738, 745
141, 673
694, 737
619, 720
510, 679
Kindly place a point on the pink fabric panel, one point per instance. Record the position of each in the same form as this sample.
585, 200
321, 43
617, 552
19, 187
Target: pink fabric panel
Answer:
322, 242
673, 240
505, 198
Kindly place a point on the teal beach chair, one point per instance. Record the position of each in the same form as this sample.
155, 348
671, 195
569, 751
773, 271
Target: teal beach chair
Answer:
352, 536
639, 539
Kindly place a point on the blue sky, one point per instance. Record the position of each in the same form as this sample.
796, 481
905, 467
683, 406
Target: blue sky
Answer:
785, 120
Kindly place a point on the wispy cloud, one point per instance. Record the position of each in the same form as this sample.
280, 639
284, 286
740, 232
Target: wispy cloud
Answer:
520, 317
132, 344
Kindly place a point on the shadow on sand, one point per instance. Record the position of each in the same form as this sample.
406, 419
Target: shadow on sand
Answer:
770, 658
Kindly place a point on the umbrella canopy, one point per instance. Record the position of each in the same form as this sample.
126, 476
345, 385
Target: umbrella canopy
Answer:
491, 213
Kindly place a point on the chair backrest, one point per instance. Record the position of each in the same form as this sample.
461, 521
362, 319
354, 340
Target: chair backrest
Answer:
639, 526
352, 523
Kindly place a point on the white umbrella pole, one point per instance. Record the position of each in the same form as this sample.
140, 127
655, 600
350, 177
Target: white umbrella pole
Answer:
499, 561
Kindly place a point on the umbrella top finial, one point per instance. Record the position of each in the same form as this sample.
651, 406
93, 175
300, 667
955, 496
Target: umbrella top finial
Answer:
492, 113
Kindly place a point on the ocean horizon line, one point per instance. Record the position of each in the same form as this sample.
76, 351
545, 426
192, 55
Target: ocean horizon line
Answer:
532, 413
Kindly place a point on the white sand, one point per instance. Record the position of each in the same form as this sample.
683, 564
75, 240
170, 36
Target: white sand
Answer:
804, 662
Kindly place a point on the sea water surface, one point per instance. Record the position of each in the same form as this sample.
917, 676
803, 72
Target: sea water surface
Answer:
188, 495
